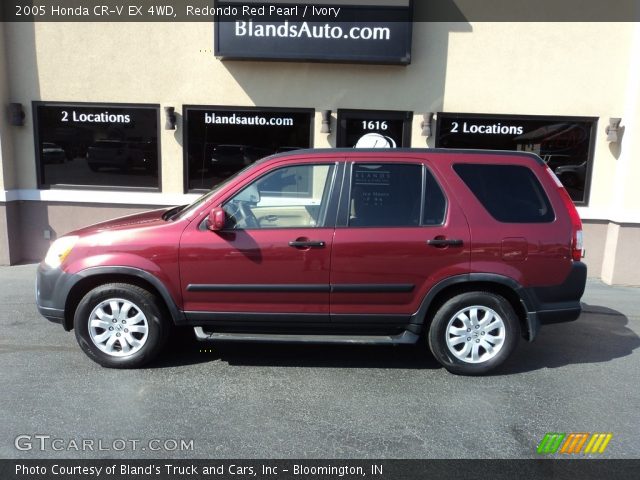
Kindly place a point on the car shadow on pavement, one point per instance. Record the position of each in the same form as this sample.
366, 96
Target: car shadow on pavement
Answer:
600, 335
186, 350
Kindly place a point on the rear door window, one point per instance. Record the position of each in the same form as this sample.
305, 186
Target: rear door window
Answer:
393, 195
385, 195
510, 193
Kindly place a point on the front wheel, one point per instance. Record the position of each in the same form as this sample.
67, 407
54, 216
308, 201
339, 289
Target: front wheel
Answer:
120, 325
472, 333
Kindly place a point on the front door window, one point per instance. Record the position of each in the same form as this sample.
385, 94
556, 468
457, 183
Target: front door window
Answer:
289, 197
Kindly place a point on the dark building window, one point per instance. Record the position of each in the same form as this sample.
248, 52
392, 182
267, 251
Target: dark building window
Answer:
95, 145
373, 129
219, 141
564, 143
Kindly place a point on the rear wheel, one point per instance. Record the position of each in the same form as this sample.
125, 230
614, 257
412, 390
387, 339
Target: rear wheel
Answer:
120, 325
472, 333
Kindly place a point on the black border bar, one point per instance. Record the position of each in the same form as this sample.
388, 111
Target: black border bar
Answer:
424, 11
557, 469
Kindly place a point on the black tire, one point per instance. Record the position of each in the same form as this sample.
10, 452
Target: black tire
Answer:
439, 334
157, 323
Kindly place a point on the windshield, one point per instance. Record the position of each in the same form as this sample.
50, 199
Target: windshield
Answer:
189, 209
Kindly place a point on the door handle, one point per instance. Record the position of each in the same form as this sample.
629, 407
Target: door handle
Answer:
443, 242
306, 244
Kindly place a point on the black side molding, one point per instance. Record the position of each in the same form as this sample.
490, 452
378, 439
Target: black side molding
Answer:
207, 318
257, 288
284, 288
373, 288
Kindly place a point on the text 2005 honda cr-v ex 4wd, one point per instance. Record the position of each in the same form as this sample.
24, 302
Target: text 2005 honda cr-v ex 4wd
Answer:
463, 251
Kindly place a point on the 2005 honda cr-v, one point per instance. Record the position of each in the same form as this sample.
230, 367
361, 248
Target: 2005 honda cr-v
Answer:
466, 250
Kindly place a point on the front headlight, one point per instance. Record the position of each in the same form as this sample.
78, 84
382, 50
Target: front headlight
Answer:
59, 250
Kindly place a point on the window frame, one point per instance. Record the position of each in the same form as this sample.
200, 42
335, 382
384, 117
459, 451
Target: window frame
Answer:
71, 186
230, 108
347, 185
425, 171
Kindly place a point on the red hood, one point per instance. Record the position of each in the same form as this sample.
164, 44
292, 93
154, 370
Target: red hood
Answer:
146, 219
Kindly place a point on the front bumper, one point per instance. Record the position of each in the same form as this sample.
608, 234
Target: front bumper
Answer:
51, 293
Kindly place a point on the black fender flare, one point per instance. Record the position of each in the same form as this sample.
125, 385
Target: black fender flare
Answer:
176, 314
532, 321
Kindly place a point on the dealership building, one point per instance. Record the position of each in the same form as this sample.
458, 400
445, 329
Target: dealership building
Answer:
103, 119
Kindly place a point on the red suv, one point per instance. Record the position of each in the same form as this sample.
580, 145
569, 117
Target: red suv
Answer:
468, 250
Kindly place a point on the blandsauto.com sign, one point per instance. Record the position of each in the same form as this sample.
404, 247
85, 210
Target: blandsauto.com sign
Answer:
312, 32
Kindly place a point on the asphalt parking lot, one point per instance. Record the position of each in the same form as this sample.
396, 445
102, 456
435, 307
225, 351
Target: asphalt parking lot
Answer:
275, 401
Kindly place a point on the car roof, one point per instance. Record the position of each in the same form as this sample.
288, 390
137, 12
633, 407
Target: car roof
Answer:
402, 151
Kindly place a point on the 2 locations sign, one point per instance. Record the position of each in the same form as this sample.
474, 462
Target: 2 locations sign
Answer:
316, 33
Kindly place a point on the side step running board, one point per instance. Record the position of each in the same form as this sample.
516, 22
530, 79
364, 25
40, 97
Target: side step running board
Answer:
403, 338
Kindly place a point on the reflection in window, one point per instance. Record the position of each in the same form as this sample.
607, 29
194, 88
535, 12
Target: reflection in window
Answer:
110, 145
290, 197
510, 193
563, 143
219, 141
385, 195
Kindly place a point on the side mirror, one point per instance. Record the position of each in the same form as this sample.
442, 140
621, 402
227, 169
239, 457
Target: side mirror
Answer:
217, 219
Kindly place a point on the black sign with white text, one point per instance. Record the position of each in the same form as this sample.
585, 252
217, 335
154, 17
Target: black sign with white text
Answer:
425, 11
222, 140
316, 33
320, 469
373, 129
109, 145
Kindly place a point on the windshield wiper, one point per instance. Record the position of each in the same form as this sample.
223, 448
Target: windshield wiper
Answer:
169, 214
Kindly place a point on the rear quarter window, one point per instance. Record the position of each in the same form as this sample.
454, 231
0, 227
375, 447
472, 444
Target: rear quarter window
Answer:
510, 193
